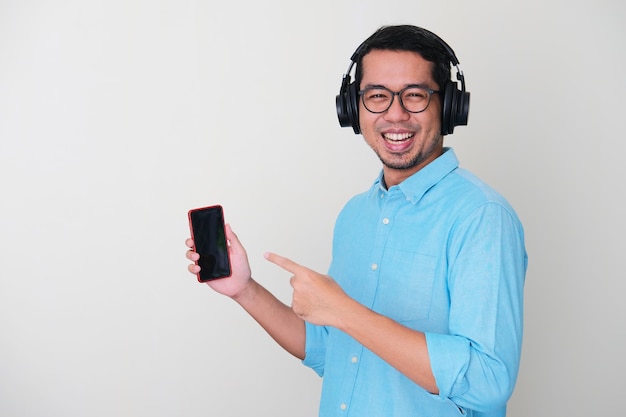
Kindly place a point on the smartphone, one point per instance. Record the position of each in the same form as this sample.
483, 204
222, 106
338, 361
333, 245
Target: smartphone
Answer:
209, 238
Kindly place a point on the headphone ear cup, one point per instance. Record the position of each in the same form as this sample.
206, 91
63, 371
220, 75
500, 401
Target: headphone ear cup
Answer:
347, 103
462, 115
353, 107
454, 109
341, 101
446, 108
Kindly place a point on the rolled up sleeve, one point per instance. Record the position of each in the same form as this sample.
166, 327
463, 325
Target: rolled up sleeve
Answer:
476, 363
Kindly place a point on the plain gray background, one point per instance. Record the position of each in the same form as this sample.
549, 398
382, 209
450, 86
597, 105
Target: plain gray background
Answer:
116, 117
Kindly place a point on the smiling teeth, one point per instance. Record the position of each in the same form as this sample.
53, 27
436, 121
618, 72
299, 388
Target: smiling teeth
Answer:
397, 137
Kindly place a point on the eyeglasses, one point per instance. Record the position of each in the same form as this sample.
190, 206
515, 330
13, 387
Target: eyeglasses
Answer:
413, 99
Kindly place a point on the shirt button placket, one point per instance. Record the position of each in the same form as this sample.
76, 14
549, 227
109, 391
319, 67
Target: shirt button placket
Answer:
374, 266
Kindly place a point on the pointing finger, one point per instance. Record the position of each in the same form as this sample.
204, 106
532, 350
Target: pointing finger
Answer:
285, 263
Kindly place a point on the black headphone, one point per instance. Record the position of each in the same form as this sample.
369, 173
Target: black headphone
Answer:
454, 111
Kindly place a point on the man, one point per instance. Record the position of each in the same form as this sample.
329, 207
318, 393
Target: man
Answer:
421, 312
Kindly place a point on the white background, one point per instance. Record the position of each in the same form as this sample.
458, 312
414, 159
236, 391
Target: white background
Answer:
116, 117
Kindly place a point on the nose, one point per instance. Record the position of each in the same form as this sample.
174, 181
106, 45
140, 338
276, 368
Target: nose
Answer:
396, 112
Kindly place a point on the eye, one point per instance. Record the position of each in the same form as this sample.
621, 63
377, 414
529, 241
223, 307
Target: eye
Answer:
415, 94
377, 94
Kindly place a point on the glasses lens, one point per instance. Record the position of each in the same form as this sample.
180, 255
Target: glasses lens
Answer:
377, 100
415, 99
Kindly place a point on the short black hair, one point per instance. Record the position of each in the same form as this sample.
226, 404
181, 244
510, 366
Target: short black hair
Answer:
408, 38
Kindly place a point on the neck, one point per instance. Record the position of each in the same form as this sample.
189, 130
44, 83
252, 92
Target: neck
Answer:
394, 176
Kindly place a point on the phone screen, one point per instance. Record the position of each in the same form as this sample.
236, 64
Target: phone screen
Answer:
207, 232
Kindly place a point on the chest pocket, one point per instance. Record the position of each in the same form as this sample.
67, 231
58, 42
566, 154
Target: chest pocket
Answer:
405, 286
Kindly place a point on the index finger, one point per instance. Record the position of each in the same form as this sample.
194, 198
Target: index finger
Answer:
285, 263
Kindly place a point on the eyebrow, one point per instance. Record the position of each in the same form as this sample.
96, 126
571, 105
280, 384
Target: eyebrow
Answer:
405, 86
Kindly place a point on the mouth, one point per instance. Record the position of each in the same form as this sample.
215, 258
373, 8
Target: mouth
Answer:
397, 137
398, 142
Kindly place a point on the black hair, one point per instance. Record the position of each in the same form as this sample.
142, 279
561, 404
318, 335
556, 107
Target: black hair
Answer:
408, 38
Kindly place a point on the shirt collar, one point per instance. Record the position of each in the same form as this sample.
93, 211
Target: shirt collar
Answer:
417, 184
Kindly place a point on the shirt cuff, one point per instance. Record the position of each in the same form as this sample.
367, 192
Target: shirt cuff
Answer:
449, 361
315, 348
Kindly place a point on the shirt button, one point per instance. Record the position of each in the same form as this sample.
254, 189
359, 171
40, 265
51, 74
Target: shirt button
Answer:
385, 221
354, 359
343, 406
374, 267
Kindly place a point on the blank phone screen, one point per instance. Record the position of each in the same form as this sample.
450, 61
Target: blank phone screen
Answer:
207, 229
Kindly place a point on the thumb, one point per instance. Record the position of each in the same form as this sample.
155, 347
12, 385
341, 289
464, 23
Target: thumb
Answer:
232, 238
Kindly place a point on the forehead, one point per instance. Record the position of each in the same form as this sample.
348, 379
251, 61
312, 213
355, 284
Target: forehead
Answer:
395, 69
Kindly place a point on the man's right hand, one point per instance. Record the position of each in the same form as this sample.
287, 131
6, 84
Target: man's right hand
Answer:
277, 318
234, 285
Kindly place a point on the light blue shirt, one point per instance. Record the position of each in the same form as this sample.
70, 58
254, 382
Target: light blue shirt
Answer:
442, 253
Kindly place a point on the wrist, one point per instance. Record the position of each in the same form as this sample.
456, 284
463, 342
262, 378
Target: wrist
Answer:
246, 293
350, 314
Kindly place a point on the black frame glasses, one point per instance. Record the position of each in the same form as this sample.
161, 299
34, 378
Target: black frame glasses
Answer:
417, 97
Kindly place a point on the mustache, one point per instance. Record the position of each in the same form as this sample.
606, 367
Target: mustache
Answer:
398, 126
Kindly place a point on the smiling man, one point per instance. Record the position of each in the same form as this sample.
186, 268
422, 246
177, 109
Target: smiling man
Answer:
421, 312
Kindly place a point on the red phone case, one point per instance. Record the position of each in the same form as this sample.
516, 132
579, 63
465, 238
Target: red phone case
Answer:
207, 228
